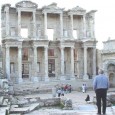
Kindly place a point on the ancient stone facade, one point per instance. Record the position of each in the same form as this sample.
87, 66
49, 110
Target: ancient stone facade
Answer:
29, 53
106, 60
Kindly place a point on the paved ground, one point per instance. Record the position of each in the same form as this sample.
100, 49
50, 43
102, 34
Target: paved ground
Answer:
80, 107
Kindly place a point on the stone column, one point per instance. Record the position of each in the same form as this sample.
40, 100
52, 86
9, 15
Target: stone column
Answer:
45, 24
62, 64
93, 30
46, 63
71, 18
61, 25
8, 62
35, 78
34, 24
85, 63
72, 64
7, 21
84, 27
19, 23
78, 64
20, 80
94, 61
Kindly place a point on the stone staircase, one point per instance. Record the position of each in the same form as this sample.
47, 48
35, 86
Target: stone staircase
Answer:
30, 88
45, 87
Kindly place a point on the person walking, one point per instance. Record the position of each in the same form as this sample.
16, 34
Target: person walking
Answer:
100, 86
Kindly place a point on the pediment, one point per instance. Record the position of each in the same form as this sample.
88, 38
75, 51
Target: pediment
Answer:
52, 7
78, 10
26, 4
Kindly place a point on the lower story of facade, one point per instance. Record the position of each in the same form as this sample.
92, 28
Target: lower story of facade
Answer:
48, 60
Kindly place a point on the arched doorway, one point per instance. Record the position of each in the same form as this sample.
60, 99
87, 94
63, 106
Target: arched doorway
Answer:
111, 73
112, 79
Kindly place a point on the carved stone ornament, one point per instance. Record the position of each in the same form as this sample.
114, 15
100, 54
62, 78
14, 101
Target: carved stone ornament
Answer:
52, 6
26, 4
77, 8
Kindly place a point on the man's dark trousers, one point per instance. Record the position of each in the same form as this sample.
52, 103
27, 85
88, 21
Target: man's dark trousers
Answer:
101, 96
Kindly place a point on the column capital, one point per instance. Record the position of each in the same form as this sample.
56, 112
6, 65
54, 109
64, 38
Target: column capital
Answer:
34, 47
7, 46
62, 47
85, 47
34, 11
46, 47
72, 47
19, 47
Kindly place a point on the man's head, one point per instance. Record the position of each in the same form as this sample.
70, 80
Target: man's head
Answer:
100, 71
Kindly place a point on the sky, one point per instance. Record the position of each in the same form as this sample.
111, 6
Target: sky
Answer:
104, 17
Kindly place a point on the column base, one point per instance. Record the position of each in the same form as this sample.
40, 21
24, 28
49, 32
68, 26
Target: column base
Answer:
62, 77
20, 80
72, 77
85, 77
46, 79
35, 79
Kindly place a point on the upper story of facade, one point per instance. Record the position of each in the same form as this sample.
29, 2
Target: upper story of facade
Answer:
26, 21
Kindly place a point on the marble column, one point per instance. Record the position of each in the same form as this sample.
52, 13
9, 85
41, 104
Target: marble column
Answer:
85, 63
72, 64
35, 77
84, 27
94, 61
61, 25
93, 30
46, 63
78, 76
8, 62
45, 25
19, 23
20, 80
34, 24
7, 21
71, 18
62, 64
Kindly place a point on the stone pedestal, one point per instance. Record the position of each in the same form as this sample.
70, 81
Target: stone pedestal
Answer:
35, 79
85, 77
20, 80
62, 77
47, 79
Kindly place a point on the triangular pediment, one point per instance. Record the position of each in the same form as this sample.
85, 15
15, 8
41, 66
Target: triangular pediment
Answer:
77, 8
26, 4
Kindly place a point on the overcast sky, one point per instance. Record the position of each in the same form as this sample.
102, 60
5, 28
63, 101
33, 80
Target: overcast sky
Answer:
104, 17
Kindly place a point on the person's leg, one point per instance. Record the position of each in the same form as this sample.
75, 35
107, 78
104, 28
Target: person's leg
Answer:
98, 98
104, 100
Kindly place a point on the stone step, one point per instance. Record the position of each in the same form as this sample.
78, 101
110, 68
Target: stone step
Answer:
1, 100
23, 110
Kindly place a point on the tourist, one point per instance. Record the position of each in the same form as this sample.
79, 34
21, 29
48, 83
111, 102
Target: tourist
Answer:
100, 86
87, 98
66, 88
69, 88
59, 92
83, 88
